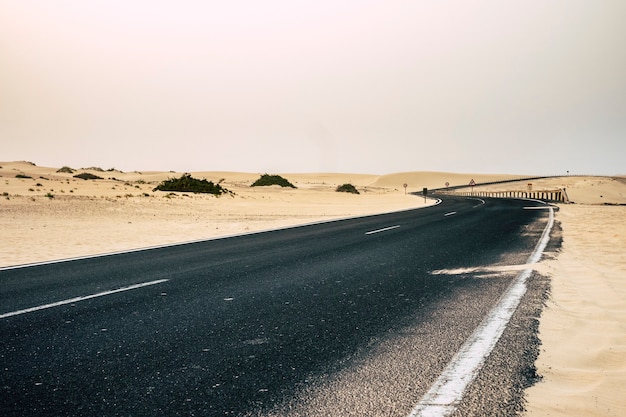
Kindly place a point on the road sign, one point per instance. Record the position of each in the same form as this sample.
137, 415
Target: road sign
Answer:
447, 184
472, 182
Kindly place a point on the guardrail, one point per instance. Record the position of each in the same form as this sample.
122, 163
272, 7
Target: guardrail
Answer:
559, 195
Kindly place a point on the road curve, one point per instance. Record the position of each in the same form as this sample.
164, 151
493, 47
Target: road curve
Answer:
253, 324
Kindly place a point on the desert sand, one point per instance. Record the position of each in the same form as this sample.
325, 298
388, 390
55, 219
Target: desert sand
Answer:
47, 215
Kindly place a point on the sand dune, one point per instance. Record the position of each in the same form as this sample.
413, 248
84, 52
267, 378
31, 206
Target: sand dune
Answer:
416, 181
47, 215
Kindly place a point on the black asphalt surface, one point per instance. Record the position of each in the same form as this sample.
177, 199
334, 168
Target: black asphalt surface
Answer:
243, 323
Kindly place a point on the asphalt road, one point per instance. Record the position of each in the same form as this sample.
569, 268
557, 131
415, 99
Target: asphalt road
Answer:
248, 325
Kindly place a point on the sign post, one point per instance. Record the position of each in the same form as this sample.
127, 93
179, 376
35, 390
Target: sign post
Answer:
472, 184
405, 185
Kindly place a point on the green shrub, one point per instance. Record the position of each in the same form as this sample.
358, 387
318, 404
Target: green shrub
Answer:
186, 183
50, 195
87, 176
347, 188
66, 170
267, 180
22, 176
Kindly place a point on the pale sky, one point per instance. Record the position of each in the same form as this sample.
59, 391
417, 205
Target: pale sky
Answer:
279, 86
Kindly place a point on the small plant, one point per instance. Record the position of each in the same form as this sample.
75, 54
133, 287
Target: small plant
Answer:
5, 194
267, 180
347, 188
50, 195
93, 169
186, 183
87, 176
31, 190
38, 185
22, 176
66, 170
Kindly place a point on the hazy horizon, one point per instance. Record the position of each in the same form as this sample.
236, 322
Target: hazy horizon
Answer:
522, 87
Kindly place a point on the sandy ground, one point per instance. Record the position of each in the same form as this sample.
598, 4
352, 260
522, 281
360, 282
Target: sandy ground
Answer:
583, 328
53, 215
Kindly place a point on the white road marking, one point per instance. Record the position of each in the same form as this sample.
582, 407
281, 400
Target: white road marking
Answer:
382, 230
450, 214
82, 298
448, 390
482, 202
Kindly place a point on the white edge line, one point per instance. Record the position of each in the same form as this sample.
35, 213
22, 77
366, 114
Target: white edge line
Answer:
482, 202
82, 298
382, 230
169, 245
448, 390
450, 214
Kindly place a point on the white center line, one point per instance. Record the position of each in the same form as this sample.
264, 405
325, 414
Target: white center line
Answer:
82, 298
448, 390
382, 230
450, 214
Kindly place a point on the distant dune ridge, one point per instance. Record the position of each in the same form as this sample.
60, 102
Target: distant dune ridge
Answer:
46, 214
